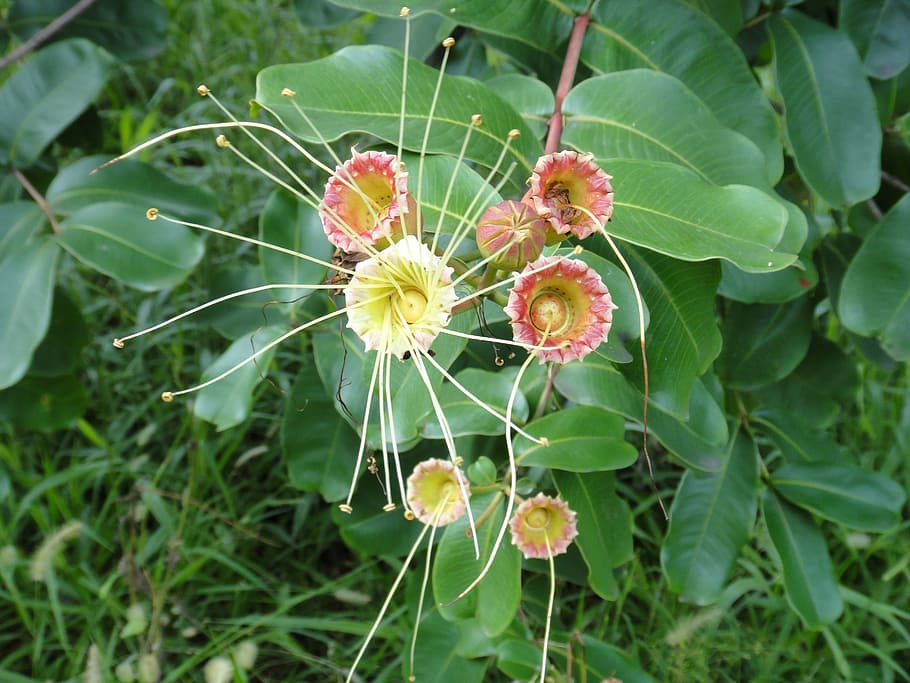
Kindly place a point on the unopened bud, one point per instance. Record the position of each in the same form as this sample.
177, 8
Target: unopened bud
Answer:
514, 232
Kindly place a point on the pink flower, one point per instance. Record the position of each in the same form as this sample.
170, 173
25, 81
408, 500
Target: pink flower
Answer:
543, 526
364, 201
570, 191
435, 492
513, 232
561, 304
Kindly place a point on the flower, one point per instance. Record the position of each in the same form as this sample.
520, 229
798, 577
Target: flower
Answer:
543, 527
434, 493
571, 192
400, 298
512, 233
560, 304
364, 201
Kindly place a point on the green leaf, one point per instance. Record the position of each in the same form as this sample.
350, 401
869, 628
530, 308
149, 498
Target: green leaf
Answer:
19, 222
531, 97
45, 404
615, 117
845, 494
119, 241
518, 659
829, 110
27, 280
728, 15
698, 442
60, 351
671, 210
319, 447
495, 601
372, 531
710, 520
289, 223
228, 401
242, 315
797, 440
808, 575
129, 182
826, 379
879, 29
371, 100
131, 30
436, 659
581, 439
682, 42
763, 343
604, 662
875, 294
768, 288
466, 417
682, 339
604, 525
46, 94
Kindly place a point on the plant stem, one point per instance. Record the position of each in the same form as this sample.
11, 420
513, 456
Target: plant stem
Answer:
38, 197
566, 79
45, 33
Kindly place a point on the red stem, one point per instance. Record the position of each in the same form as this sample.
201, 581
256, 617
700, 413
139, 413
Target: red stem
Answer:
566, 79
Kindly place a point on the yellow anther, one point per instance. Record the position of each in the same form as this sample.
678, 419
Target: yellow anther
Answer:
222, 141
476, 120
448, 42
151, 214
458, 461
345, 508
167, 396
118, 343
405, 11
203, 90
388, 507
287, 92
577, 250
514, 133
544, 441
410, 516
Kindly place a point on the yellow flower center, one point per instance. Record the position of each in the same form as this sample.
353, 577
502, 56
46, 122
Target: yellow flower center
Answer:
411, 303
538, 519
550, 312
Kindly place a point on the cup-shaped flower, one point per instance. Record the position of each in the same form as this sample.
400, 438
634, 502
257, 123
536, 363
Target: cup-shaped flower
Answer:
400, 299
434, 492
542, 527
364, 201
571, 192
560, 304
512, 233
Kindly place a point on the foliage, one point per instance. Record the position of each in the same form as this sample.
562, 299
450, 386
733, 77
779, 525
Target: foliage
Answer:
759, 157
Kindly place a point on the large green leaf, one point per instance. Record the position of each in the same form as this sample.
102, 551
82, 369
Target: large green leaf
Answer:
27, 282
875, 294
829, 109
798, 441
847, 494
131, 30
710, 520
370, 101
118, 240
464, 415
47, 94
288, 223
605, 662
45, 403
879, 29
808, 574
60, 351
698, 441
672, 210
436, 659
682, 339
319, 447
551, 21
495, 600
729, 15
529, 96
129, 182
228, 401
604, 525
763, 343
682, 42
369, 529
580, 439
19, 222
615, 117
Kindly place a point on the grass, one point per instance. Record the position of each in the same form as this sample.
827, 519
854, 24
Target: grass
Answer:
143, 530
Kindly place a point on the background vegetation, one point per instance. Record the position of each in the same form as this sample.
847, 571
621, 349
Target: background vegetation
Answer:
143, 535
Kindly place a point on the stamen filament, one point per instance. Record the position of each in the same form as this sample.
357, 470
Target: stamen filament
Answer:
546, 633
476, 120
496, 285
346, 506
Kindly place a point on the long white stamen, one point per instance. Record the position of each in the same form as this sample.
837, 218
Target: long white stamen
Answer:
387, 602
384, 387
496, 285
546, 633
346, 506
512, 483
476, 120
170, 395
120, 341
391, 413
494, 340
426, 576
